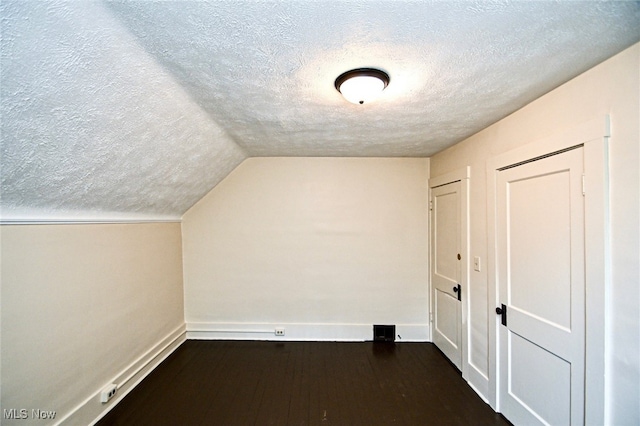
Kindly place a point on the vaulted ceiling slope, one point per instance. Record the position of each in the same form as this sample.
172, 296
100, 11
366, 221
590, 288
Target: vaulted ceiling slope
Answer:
127, 108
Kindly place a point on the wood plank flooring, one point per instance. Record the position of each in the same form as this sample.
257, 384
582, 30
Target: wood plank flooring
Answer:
303, 383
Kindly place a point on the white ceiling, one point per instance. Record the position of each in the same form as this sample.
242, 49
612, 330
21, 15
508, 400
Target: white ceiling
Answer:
140, 108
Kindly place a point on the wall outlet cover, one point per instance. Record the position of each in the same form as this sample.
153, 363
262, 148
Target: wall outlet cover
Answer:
108, 392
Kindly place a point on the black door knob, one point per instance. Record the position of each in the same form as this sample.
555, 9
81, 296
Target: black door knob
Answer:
455, 289
499, 311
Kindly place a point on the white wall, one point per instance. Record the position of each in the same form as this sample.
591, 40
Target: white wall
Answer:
83, 305
610, 88
325, 247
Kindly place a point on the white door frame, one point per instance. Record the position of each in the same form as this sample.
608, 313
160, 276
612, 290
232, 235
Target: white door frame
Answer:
462, 175
594, 135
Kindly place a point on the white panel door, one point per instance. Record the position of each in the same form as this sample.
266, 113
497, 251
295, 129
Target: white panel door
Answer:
540, 254
445, 270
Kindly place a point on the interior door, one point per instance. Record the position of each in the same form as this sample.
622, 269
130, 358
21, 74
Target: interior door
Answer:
540, 255
445, 270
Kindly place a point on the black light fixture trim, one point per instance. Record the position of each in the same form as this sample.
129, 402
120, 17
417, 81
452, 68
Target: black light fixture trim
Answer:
362, 72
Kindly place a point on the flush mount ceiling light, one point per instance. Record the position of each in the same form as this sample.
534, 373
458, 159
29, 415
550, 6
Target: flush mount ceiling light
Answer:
362, 85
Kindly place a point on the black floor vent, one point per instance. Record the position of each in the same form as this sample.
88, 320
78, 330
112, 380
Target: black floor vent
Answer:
384, 333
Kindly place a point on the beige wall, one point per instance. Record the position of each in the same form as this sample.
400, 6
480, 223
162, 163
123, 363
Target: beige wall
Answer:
610, 88
324, 246
80, 304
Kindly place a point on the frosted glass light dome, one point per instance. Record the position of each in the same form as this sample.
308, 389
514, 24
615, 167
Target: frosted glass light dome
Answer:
362, 85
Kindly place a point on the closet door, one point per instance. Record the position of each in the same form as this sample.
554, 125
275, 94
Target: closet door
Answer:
541, 283
446, 292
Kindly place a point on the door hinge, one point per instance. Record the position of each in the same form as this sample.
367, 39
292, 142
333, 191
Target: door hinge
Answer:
430, 205
430, 316
583, 186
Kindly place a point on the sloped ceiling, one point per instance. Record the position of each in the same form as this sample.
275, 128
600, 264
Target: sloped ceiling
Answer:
137, 109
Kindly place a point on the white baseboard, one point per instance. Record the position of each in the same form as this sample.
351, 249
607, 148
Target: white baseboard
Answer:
301, 332
92, 410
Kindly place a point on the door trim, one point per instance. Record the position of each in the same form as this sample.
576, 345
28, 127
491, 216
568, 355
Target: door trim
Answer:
462, 175
594, 135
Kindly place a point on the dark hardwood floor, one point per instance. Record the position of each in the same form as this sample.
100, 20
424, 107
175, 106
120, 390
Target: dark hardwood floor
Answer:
303, 383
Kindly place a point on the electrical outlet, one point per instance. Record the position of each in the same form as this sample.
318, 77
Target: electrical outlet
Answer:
108, 392
279, 331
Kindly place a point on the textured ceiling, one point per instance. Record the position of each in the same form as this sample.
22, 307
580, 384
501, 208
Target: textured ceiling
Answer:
140, 108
